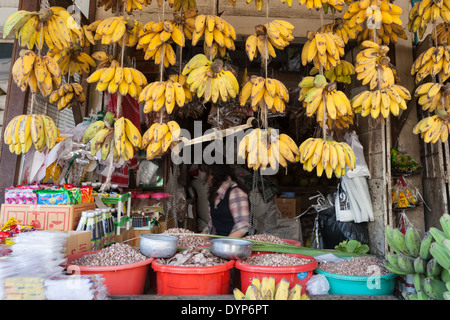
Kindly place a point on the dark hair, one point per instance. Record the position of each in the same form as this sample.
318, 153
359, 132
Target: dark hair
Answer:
220, 173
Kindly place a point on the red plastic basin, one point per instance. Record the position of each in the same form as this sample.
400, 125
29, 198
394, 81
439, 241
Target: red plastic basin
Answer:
178, 280
294, 274
126, 279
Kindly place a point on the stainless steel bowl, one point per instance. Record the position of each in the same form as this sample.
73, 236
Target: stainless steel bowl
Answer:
231, 248
158, 245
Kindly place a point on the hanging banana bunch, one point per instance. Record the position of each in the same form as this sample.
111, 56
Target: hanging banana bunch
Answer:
341, 73
154, 39
435, 61
103, 58
116, 30
264, 92
186, 22
323, 49
119, 5
441, 35
374, 12
341, 28
181, 79
264, 148
434, 128
326, 156
278, 33
183, 5
208, 80
425, 12
260, 3
159, 138
387, 34
41, 74
333, 5
34, 28
68, 94
433, 96
24, 131
215, 31
316, 93
117, 79
72, 59
161, 94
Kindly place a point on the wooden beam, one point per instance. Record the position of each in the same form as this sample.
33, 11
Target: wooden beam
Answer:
16, 104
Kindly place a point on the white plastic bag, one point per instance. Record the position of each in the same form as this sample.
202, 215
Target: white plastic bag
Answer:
360, 201
361, 169
342, 205
318, 284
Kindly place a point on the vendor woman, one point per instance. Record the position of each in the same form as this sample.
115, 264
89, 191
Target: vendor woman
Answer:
228, 203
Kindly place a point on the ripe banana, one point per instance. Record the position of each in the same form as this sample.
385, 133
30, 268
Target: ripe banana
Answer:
373, 13
433, 96
324, 49
119, 5
159, 138
67, 95
342, 29
435, 61
268, 289
117, 29
326, 5
160, 94
428, 12
259, 92
387, 34
72, 60
433, 128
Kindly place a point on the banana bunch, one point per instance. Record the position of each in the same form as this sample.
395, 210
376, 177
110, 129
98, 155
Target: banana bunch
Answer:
121, 30
154, 39
183, 5
268, 289
442, 34
209, 80
23, 131
381, 101
103, 58
341, 28
276, 34
427, 12
117, 79
387, 34
326, 155
119, 5
181, 79
433, 96
334, 5
435, 61
41, 74
72, 59
341, 73
68, 94
372, 66
186, 22
374, 12
427, 258
342, 122
323, 49
260, 3
161, 94
263, 148
159, 138
264, 91
317, 94
34, 28
215, 30
434, 127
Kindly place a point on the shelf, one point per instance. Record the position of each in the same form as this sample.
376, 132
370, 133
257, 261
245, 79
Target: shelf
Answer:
115, 200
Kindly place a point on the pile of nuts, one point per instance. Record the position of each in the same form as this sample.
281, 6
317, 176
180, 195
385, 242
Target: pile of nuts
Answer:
356, 267
266, 238
186, 239
193, 257
114, 255
276, 260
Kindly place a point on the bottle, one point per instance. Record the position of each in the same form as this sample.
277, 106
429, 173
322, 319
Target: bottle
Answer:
111, 225
101, 230
104, 213
82, 223
114, 192
90, 226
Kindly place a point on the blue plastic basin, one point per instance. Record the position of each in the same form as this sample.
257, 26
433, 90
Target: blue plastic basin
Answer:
373, 285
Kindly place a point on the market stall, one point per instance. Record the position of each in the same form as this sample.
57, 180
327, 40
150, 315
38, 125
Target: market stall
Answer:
117, 199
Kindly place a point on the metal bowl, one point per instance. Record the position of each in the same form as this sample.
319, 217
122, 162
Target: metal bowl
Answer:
158, 245
231, 248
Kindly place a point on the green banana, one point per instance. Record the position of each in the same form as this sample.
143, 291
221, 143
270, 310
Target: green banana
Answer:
445, 276
399, 240
406, 263
446, 295
440, 254
393, 269
437, 234
412, 240
109, 118
420, 265
445, 224
446, 244
433, 268
425, 246
98, 139
388, 232
434, 288
92, 130
393, 259
418, 285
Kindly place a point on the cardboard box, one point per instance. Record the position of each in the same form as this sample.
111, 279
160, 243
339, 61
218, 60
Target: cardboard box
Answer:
289, 207
45, 217
79, 241
124, 235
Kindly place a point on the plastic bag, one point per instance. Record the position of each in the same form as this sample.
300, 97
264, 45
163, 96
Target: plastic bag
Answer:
342, 205
403, 195
357, 191
361, 169
318, 284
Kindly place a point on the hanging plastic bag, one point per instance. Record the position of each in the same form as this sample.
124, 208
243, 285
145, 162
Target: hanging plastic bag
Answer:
403, 195
361, 169
342, 205
360, 202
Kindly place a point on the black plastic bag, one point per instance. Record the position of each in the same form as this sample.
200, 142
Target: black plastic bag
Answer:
334, 232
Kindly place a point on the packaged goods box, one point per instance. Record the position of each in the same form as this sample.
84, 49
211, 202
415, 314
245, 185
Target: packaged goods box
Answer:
79, 241
289, 207
45, 217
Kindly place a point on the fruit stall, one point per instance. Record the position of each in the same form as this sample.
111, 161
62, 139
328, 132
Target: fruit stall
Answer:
333, 113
